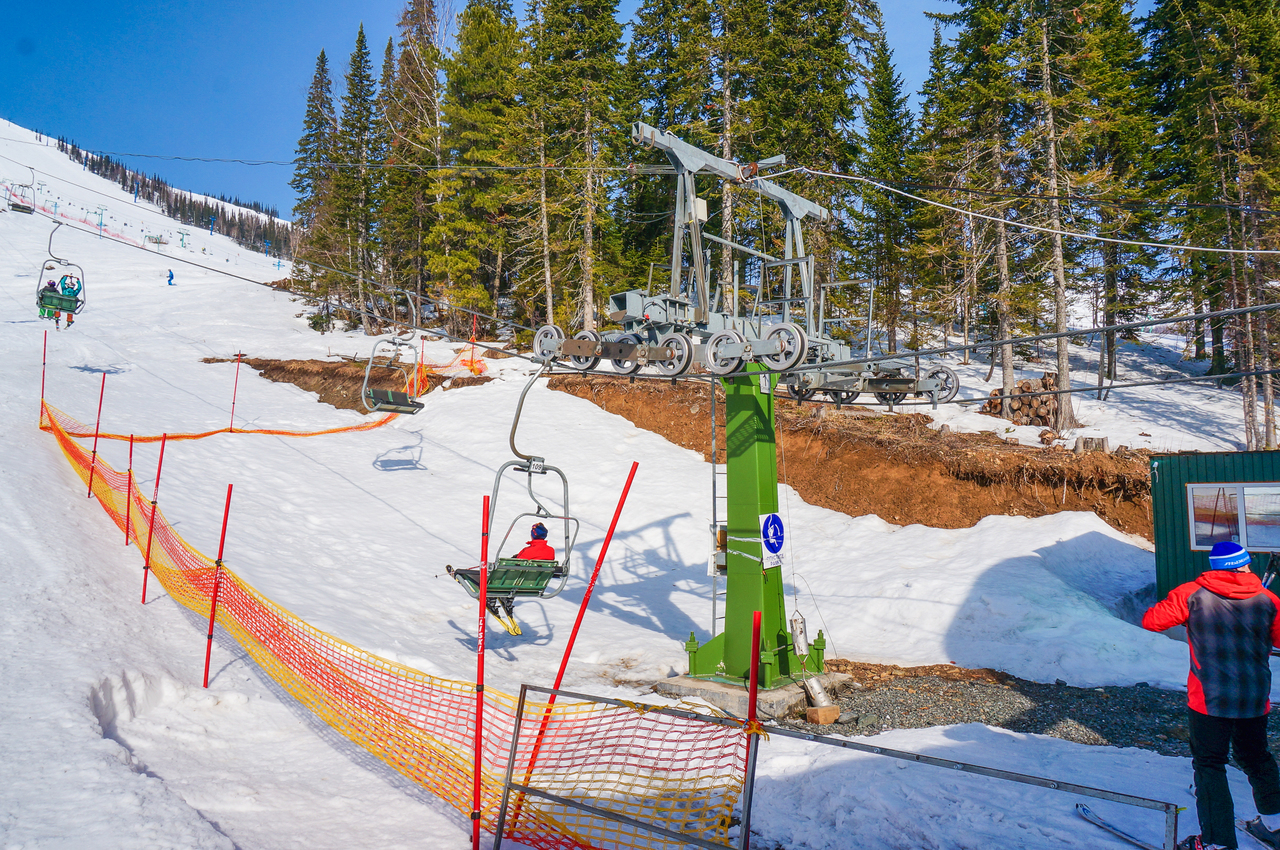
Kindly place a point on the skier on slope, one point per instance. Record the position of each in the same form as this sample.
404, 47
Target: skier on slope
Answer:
1232, 622
538, 548
171, 277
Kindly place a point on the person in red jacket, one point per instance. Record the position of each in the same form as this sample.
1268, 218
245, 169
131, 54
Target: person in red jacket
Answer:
1232, 622
538, 548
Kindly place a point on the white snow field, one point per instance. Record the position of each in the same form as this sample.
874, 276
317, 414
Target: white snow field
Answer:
108, 740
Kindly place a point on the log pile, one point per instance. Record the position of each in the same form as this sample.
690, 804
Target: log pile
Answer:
1025, 407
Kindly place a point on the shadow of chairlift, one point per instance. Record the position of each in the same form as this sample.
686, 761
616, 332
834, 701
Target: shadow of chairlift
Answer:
390, 401
510, 579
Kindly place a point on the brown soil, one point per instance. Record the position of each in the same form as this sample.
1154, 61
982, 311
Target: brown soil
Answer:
339, 384
854, 461
865, 673
897, 467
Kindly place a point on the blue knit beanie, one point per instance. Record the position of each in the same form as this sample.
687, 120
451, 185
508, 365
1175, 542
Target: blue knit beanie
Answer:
1228, 556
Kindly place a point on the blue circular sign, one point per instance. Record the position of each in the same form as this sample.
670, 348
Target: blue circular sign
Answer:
771, 533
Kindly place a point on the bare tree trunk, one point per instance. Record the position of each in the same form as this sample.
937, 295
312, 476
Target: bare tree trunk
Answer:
588, 236
1066, 417
726, 214
543, 224
1004, 294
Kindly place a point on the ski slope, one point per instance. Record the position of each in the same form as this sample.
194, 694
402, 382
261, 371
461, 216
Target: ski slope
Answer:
108, 740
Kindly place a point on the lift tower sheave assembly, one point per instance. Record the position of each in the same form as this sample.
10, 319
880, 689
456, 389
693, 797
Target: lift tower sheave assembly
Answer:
754, 547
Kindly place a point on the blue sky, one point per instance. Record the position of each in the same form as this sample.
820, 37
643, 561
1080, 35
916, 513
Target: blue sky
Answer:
226, 79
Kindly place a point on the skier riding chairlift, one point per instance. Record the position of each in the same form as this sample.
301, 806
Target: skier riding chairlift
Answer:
532, 571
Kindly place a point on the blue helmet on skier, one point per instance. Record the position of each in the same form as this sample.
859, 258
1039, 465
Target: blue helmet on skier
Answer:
538, 532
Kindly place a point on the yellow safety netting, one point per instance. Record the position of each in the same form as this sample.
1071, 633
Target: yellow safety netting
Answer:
680, 774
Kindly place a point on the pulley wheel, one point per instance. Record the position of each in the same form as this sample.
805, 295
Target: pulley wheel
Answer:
578, 361
718, 363
793, 341
546, 342
681, 354
627, 367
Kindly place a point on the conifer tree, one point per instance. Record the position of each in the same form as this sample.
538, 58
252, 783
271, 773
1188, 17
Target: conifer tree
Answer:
313, 169
574, 56
883, 225
355, 186
479, 99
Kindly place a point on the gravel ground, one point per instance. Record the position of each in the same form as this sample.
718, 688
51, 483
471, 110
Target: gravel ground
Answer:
1138, 716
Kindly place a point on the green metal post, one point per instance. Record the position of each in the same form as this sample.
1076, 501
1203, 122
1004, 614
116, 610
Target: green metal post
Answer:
752, 482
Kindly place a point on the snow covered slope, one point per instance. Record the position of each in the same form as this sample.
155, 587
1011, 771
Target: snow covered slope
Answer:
109, 741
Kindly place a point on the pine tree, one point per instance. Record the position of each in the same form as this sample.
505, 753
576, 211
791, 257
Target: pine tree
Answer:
479, 99
312, 168
355, 186
883, 227
574, 57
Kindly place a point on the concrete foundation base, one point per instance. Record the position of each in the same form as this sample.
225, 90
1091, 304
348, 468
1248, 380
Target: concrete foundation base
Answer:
770, 705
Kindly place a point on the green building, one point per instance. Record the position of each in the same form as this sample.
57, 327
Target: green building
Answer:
1201, 498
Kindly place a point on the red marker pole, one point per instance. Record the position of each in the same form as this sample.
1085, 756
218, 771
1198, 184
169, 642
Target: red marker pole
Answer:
582, 609
753, 736
217, 582
93, 461
128, 495
151, 523
235, 388
479, 742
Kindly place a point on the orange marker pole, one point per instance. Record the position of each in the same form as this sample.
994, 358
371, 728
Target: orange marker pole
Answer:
128, 495
479, 741
217, 582
151, 523
93, 461
234, 389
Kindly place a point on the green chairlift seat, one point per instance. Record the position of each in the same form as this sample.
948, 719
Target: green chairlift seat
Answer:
511, 577
391, 401
50, 300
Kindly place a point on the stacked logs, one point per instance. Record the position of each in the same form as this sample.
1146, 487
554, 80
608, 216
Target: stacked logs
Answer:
1025, 407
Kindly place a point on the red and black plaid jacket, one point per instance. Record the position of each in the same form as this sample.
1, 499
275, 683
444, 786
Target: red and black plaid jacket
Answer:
1232, 622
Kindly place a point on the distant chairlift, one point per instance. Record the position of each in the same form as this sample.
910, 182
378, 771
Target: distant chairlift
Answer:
390, 401
512, 578
22, 199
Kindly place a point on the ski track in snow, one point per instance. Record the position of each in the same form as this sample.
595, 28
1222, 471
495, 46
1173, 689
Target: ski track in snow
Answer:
110, 742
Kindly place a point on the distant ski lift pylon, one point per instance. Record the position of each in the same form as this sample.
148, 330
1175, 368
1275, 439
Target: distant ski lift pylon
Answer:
390, 401
510, 578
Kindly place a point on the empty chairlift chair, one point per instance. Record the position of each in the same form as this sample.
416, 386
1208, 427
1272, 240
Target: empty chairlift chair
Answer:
390, 401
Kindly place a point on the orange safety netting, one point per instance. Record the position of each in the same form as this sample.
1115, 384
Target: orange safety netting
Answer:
669, 771
75, 428
466, 362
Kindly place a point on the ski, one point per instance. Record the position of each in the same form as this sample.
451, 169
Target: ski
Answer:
1094, 818
1262, 842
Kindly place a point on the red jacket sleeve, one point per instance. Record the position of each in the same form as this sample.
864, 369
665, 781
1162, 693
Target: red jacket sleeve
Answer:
1172, 610
1275, 624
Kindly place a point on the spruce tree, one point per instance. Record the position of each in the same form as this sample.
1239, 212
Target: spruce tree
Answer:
355, 186
312, 165
883, 225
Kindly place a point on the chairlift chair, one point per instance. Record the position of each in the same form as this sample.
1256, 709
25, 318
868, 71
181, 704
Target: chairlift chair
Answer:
511, 578
22, 199
64, 274
390, 401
